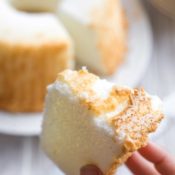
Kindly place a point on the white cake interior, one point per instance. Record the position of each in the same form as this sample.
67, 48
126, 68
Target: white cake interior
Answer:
71, 125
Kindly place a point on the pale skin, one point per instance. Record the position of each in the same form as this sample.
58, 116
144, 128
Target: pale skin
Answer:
150, 160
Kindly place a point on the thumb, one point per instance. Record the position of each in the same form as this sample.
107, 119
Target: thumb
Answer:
90, 170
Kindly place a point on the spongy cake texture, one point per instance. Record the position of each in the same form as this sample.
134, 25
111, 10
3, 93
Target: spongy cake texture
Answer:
91, 121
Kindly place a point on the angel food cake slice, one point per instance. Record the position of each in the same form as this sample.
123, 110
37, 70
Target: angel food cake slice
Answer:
91, 121
98, 28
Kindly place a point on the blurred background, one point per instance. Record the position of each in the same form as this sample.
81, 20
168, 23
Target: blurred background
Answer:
21, 155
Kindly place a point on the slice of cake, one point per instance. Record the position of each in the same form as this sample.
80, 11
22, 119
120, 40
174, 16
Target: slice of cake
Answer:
33, 49
98, 28
91, 121
35, 5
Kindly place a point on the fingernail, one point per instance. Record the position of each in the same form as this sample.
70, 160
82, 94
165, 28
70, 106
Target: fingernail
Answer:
90, 170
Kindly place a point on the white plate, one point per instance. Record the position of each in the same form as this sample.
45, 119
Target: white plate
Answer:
130, 73
20, 124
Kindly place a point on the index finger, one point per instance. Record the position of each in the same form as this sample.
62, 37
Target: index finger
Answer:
163, 162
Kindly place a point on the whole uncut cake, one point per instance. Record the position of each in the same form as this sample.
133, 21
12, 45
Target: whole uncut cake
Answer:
33, 49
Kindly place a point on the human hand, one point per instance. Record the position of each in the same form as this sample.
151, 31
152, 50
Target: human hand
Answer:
151, 160
90, 170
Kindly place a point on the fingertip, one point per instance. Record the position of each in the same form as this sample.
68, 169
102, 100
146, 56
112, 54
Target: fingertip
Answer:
132, 159
90, 170
138, 165
145, 147
162, 161
153, 153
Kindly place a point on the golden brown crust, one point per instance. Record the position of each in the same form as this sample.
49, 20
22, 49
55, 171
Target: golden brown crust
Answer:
100, 106
26, 70
82, 82
119, 161
137, 121
79, 81
110, 24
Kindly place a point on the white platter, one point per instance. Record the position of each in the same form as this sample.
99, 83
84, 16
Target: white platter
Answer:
130, 73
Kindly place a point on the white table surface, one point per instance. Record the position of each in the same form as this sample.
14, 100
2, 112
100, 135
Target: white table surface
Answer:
22, 156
